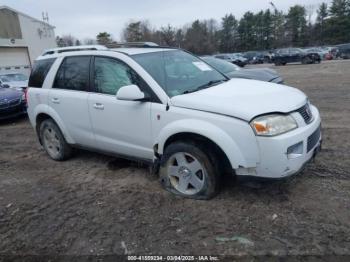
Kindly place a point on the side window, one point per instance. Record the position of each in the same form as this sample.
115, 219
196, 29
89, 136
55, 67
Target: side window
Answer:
39, 72
73, 74
110, 75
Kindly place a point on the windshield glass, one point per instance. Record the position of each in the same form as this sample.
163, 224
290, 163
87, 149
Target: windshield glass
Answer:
178, 72
221, 65
13, 77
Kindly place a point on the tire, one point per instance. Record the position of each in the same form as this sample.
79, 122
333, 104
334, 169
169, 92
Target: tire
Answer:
188, 170
53, 141
307, 60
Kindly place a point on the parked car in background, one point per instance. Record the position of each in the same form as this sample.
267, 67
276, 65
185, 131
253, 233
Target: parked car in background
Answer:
234, 71
14, 80
233, 58
239, 59
321, 52
294, 55
170, 109
254, 57
332, 52
12, 103
344, 51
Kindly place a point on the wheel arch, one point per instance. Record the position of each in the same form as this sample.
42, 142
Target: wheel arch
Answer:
204, 141
202, 131
46, 112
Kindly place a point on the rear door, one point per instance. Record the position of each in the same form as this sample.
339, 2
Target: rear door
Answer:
68, 97
295, 55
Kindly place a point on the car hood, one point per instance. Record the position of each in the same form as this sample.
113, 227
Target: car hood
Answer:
243, 99
9, 94
263, 74
16, 84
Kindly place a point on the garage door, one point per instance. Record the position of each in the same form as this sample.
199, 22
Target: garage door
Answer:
14, 59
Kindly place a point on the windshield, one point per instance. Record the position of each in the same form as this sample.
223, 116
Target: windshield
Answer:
221, 65
178, 72
13, 77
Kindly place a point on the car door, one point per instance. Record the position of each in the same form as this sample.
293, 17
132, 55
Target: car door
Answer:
294, 55
121, 127
68, 98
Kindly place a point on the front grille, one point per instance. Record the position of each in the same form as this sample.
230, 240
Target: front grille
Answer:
306, 113
313, 139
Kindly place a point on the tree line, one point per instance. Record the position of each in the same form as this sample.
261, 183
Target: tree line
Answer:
264, 30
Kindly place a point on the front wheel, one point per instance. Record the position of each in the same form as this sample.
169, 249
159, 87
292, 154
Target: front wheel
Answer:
53, 141
189, 171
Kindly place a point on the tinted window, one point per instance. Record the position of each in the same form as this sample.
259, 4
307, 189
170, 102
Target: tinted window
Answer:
295, 51
110, 75
39, 72
73, 73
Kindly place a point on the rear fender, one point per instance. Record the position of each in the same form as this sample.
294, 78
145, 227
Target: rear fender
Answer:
45, 109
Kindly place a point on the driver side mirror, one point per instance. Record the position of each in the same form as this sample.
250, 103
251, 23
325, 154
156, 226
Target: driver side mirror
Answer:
132, 93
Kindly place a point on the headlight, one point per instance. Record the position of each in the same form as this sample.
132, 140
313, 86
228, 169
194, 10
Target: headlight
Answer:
23, 98
272, 125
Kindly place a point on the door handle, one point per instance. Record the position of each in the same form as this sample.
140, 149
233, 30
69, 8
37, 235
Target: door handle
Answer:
99, 106
55, 100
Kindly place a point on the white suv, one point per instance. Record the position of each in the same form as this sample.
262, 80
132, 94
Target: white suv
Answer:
169, 108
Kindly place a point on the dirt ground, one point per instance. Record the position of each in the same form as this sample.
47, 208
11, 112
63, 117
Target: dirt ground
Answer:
99, 205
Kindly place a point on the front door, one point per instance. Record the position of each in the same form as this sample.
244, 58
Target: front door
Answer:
122, 127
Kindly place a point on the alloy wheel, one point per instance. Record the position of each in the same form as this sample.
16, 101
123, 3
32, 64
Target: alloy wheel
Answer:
187, 175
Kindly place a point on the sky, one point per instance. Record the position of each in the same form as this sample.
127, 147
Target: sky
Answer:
86, 18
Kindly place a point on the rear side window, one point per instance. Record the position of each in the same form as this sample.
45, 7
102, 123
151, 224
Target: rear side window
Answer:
39, 72
73, 74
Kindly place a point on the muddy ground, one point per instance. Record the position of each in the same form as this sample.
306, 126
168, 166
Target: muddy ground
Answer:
99, 205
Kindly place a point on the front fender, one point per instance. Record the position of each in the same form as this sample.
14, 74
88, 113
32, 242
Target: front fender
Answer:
208, 130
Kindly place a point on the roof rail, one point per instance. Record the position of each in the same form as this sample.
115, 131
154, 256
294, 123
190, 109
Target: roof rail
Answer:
74, 48
132, 44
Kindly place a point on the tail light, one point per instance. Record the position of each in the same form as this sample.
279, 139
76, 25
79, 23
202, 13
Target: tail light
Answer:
26, 95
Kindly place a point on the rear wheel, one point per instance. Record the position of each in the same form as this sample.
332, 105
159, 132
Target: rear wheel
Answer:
306, 60
189, 171
53, 141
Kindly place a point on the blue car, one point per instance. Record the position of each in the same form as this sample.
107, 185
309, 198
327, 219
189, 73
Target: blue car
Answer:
12, 103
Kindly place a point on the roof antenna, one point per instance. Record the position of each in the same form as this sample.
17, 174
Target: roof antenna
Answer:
45, 17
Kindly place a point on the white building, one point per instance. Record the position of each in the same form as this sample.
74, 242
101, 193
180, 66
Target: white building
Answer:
22, 39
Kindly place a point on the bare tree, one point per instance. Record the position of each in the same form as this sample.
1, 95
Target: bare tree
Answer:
66, 40
89, 41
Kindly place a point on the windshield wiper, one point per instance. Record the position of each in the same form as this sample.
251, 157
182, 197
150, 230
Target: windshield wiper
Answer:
207, 85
